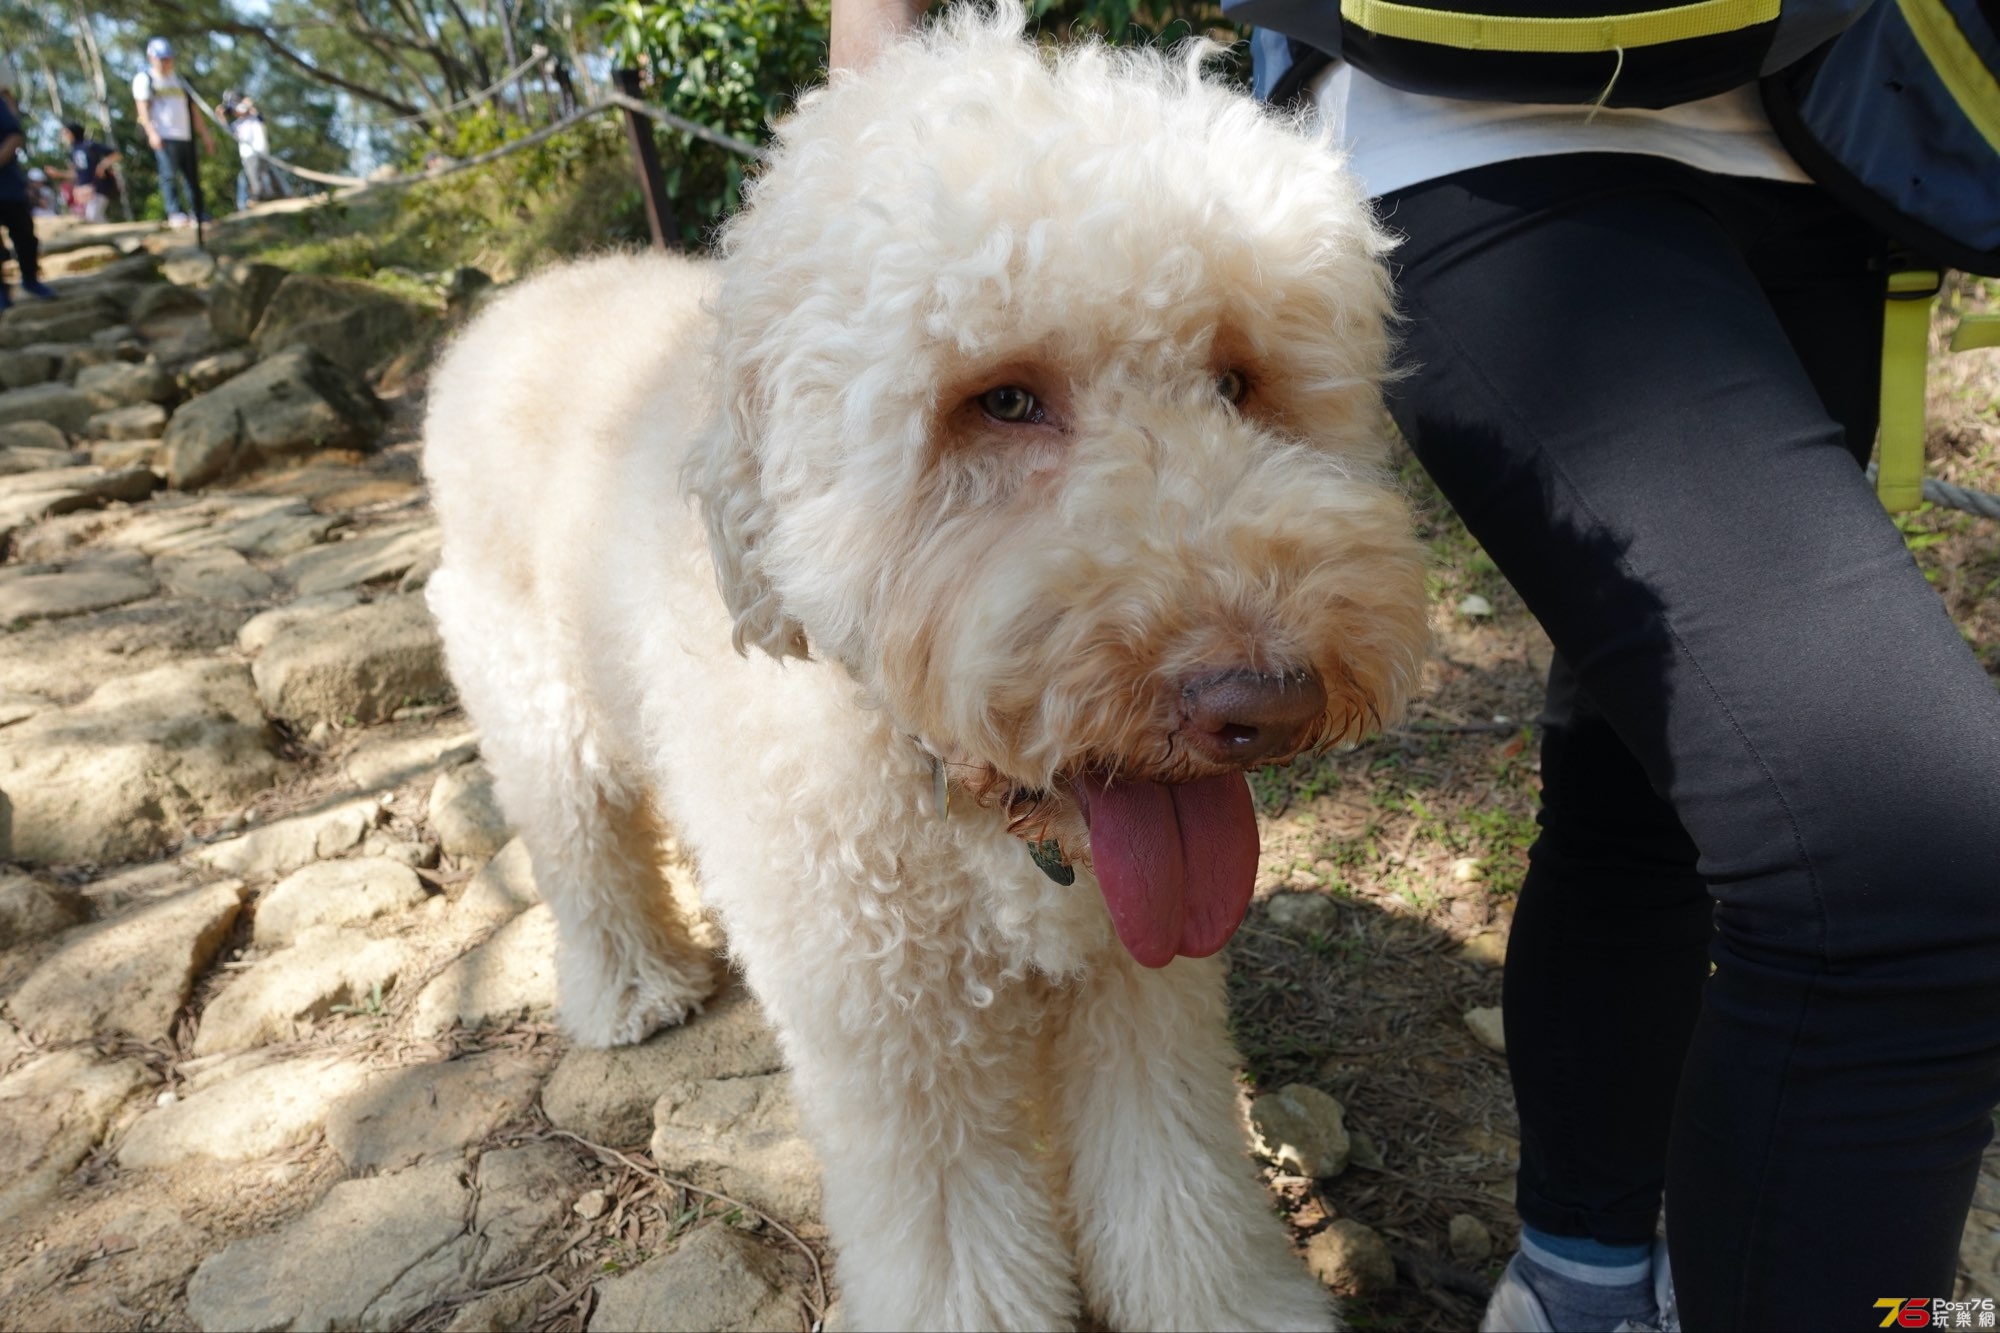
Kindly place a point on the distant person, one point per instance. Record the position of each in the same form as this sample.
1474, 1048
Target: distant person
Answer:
92, 173
16, 213
259, 179
167, 113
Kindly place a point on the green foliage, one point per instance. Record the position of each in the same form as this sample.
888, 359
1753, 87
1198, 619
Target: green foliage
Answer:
737, 65
569, 195
731, 65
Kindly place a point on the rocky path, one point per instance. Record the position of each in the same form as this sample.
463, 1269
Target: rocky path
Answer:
274, 981
275, 1046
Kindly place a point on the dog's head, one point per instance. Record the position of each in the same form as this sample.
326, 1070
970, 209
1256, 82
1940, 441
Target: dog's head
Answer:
1051, 412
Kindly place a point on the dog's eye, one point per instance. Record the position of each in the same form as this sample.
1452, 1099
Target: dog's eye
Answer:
1234, 386
1010, 403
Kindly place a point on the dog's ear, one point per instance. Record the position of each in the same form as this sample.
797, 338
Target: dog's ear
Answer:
723, 475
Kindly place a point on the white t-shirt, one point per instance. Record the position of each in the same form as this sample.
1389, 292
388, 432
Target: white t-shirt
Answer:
248, 132
1396, 139
172, 113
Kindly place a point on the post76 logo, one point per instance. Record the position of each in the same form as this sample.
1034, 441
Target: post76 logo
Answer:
1933, 1312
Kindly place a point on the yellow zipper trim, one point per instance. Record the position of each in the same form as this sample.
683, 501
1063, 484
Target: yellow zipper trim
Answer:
1558, 36
1959, 67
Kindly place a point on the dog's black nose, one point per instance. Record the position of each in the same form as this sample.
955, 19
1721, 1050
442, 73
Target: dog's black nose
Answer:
1247, 717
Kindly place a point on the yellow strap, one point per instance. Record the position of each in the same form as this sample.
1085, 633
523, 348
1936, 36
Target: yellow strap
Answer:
1906, 331
1959, 67
1975, 331
1557, 36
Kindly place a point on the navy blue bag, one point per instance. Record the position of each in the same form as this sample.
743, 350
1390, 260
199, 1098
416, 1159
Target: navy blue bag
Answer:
1899, 117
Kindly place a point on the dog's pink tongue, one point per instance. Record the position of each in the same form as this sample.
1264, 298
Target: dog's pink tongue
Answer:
1176, 863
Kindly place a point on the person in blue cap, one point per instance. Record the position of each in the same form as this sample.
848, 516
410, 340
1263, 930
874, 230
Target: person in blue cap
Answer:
16, 211
167, 113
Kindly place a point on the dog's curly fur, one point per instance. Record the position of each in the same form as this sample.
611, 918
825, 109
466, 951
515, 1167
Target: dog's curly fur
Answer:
1015, 1118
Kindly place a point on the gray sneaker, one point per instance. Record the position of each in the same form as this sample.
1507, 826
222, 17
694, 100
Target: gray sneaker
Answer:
1514, 1307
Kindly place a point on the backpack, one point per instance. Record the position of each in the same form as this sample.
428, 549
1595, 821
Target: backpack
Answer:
1899, 118
1564, 51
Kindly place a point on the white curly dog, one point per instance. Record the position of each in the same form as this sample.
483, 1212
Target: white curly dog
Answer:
933, 566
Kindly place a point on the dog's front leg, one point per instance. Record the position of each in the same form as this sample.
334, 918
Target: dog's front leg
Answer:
938, 1205
1173, 1230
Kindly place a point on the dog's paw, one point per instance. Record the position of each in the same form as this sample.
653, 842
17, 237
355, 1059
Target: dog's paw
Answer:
627, 1008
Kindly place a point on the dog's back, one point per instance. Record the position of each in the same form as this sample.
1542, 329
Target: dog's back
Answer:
547, 394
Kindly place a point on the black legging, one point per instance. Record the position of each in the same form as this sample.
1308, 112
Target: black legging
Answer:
1645, 389
17, 217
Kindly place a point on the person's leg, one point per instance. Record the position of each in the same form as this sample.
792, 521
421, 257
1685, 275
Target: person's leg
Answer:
1657, 474
243, 187
17, 216
1605, 965
169, 171
190, 168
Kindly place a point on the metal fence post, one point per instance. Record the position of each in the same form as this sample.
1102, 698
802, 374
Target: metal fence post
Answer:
652, 186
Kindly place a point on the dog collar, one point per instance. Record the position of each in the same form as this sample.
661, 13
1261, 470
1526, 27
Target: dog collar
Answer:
1047, 854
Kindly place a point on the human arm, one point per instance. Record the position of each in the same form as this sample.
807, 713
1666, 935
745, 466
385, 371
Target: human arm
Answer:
10, 148
861, 28
142, 99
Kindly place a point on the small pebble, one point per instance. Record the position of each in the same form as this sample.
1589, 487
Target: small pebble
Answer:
1351, 1259
1475, 607
167, 1098
591, 1206
1471, 1242
1486, 1029
1488, 949
1468, 870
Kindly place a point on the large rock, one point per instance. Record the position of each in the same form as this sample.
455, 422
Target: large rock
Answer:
47, 492
503, 888
293, 403
187, 265
282, 996
740, 1137
52, 1112
511, 974
359, 665
286, 844
140, 421
31, 910
393, 755
375, 1252
465, 814
216, 369
92, 582
68, 320
362, 559
370, 1255
18, 460
251, 525
131, 974
608, 1095
241, 1114
353, 324
32, 435
125, 773
238, 296
123, 383
336, 893
718, 1280
217, 574
19, 369
431, 1110
58, 404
